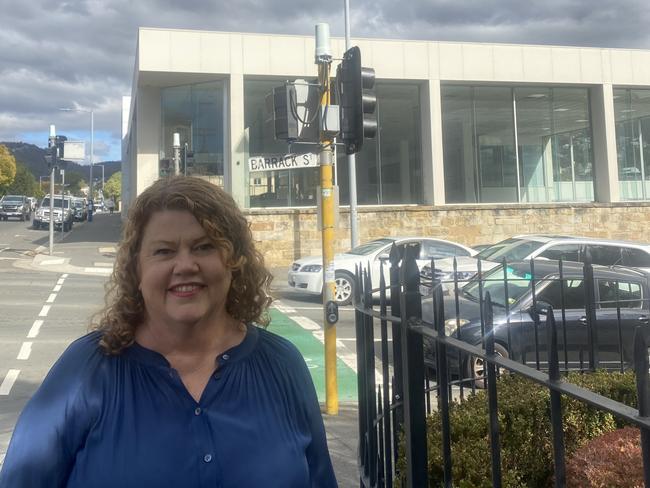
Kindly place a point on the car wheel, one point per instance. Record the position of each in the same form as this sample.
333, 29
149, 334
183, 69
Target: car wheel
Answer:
475, 367
344, 288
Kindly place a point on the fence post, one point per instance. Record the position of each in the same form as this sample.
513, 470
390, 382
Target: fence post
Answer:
443, 378
395, 292
556, 400
413, 372
643, 395
495, 443
590, 300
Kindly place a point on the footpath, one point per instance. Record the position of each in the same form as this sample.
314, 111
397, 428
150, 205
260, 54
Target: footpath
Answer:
90, 249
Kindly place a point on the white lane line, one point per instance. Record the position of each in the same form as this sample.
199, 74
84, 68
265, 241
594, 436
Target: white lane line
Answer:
60, 282
65, 275
51, 298
57, 288
44, 311
105, 271
305, 322
53, 261
8, 382
36, 327
25, 351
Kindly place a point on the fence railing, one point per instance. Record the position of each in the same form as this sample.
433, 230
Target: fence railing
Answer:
460, 338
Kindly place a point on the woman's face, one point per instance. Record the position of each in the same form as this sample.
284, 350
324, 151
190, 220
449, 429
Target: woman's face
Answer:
182, 274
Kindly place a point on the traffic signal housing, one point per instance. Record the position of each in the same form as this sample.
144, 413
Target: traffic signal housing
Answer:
357, 101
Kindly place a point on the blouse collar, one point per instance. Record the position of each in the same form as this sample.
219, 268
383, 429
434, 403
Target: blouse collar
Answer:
236, 353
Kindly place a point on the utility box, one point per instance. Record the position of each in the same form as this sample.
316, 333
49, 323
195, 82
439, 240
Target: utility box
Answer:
295, 112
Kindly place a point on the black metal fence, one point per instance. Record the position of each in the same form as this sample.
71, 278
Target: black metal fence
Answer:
424, 354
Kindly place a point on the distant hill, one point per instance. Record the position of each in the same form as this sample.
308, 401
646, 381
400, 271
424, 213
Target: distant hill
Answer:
33, 156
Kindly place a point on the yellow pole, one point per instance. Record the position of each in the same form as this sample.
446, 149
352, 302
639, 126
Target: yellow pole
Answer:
327, 222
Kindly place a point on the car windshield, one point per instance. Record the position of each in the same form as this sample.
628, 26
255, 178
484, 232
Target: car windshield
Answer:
78, 204
510, 249
9, 199
370, 247
494, 283
57, 203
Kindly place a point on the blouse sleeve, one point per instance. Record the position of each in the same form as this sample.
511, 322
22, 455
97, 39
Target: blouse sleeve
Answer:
51, 428
318, 457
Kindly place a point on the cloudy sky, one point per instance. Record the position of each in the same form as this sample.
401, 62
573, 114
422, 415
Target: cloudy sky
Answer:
80, 53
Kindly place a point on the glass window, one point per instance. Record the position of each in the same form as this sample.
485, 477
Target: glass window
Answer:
196, 113
625, 294
632, 112
440, 250
510, 249
389, 167
553, 158
574, 294
277, 188
636, 258
493, 282
605, 255
566, 252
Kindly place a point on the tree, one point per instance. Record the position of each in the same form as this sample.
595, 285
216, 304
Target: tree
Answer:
24, 182
113, 186
7, 167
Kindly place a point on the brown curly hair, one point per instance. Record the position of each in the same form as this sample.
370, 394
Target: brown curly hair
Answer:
223, 222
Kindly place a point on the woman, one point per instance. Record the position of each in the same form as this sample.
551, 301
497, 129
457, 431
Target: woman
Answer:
177, 387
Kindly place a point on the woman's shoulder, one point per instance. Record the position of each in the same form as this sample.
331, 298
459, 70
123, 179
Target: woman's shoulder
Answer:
278, 346
81, 354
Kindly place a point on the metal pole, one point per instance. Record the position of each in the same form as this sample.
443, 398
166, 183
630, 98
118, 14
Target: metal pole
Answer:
62, 199
327, 222
352, 160
52, 143
92, 153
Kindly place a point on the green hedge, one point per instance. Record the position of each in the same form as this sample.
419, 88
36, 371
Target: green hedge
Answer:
525, 430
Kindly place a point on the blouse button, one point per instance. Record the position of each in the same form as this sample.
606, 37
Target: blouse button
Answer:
225, 357
207, 458
197, 411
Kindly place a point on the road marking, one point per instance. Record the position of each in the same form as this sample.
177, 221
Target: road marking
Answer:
25, 351
57, 288
105, 264
283, 308
44, 311
36, 327
51, 298
107, 250
8, 382
60, 282
105, 271
305, 322
52, 261
64, 275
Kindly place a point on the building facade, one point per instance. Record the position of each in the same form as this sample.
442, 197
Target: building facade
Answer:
476, 142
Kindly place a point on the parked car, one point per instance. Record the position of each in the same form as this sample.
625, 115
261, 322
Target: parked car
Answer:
306, 274
33, 203
63, 213
617, 290
604, 252
15, 206
80, 209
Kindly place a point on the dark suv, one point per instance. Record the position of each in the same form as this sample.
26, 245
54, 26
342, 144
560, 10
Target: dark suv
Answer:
17, 206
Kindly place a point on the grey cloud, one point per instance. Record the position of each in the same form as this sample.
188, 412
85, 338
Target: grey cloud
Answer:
82, 51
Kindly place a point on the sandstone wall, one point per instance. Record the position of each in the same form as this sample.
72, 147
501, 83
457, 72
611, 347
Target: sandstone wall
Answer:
287, 234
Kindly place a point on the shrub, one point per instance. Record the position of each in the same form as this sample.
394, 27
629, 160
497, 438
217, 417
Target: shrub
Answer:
612, 459
524, 428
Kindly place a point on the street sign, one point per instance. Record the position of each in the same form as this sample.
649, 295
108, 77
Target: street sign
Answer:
74, 151
290, 161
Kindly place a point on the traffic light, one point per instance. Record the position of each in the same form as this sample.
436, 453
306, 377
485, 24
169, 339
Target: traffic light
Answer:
284, 115
51, 153
357, 101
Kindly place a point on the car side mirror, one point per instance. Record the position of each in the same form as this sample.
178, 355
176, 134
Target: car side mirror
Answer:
540, 308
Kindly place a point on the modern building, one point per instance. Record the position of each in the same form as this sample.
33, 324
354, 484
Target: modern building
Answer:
476, 142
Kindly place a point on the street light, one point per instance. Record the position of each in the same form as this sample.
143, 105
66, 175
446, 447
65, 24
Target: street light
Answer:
92, 140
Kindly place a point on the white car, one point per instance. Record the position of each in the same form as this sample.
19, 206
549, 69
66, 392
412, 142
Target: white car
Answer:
604, 252
306, 274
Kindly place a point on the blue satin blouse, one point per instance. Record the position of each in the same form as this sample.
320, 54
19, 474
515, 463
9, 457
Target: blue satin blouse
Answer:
101, 421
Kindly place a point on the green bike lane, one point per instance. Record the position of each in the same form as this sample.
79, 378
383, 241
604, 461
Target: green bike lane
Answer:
314, 353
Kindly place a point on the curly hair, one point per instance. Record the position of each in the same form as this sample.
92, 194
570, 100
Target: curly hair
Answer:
225, 225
